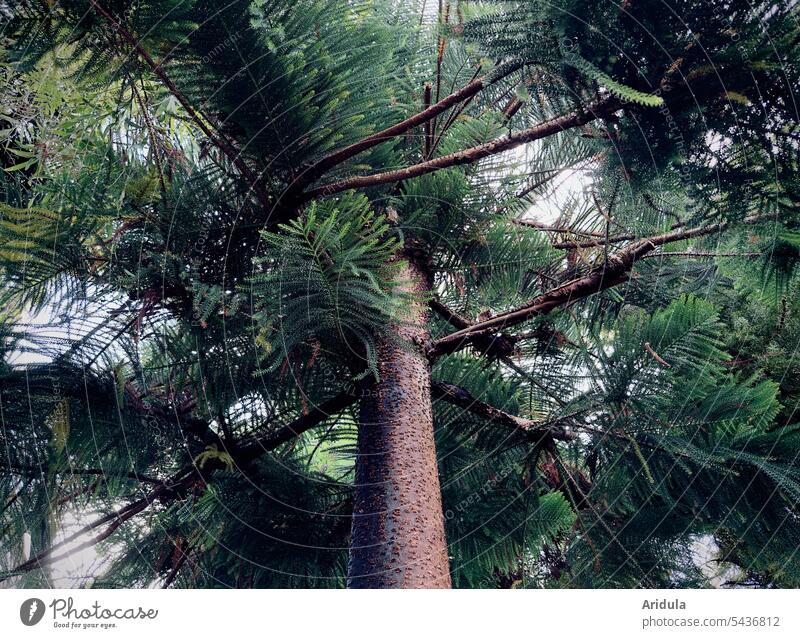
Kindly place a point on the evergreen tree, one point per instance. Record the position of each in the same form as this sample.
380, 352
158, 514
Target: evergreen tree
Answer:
280, 307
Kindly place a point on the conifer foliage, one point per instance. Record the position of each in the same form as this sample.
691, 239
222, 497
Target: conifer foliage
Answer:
384, 294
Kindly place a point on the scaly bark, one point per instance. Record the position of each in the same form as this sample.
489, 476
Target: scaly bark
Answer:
398, 536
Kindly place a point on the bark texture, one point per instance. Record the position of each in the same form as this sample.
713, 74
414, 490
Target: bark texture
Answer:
398, 536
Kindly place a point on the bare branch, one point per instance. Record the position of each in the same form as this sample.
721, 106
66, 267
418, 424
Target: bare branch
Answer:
428, 128
614, 272
450, 316
184, 551
593, 243
602, 108
603, 241
453, 116
493, 345
555, 229
317, 170
464, 399
655, 355
444, 18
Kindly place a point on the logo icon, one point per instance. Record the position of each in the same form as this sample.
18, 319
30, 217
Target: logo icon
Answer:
31, 611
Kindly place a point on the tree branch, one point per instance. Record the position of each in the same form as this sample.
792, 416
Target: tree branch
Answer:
614, 272
115, 518
555, 229
599, 109
185, 551
494, 345
38, 470
185, 478
317, 170
655, 355
701, 255
464, 399
552, 173
218, 140
250, 451
428, 130
605, 241
450, 316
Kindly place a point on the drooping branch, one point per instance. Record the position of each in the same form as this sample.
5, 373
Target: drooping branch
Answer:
187, 477
612, 273
317, 170
114, 520
602, 108
464, 399
39, 470
218, 139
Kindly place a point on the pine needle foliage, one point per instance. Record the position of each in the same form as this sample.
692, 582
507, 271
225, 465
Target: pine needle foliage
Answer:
203, 226
325, 280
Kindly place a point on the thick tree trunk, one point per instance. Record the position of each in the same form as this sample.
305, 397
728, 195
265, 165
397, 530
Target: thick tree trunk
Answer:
398, 526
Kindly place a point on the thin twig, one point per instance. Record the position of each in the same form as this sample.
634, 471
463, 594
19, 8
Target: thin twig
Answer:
655, 355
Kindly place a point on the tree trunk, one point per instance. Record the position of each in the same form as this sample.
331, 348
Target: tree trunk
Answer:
398, 526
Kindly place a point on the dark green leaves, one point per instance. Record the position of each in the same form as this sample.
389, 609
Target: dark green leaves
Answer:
327, 278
